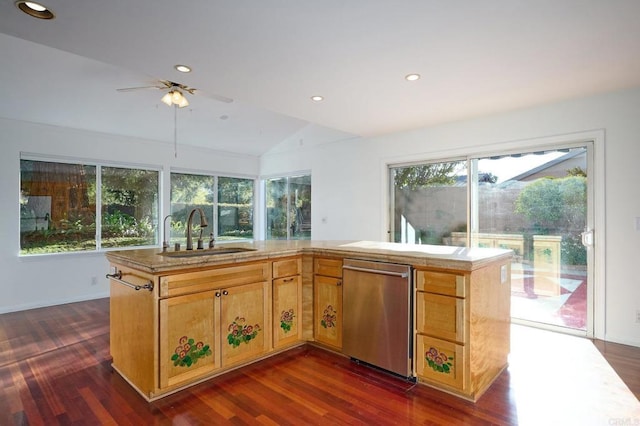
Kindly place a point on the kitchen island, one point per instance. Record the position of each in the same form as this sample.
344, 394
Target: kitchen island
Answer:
180, 318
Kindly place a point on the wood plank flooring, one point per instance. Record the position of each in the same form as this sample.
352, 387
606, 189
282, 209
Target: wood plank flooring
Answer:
55, 369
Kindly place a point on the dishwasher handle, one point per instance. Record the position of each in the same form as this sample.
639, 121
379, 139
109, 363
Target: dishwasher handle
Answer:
376, 271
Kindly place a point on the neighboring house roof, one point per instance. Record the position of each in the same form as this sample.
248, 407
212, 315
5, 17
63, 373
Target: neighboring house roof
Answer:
552, 168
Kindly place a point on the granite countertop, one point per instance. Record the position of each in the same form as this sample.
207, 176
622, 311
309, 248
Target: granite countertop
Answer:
459, 258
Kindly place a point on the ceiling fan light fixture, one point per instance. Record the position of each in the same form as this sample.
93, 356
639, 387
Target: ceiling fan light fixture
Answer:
34, 9
175, 97
166, 99
183, 102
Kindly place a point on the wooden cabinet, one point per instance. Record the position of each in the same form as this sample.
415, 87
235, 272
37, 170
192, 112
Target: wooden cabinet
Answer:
189, 337
327, 296
287, 302
191, 326
440, 325
462, 324
176, 322
440, 361
245, 322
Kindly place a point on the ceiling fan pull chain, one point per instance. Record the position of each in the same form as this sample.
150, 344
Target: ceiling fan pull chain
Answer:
175, 130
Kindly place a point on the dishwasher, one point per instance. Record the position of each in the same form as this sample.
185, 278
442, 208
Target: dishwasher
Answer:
377, 314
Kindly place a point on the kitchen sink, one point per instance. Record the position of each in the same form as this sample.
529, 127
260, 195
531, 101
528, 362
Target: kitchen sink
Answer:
206, 252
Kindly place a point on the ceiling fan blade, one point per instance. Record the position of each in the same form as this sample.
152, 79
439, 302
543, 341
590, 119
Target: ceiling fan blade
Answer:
212, 96
131, 89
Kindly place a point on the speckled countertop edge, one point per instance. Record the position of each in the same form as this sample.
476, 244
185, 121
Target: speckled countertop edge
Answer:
458, 258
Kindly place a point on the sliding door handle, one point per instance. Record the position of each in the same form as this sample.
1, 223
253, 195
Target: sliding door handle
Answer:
587, 238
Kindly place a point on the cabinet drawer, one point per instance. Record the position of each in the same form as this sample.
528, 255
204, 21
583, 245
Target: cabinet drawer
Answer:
328, 267
441, 361
440, 316
441, 282
287, 268
227, 276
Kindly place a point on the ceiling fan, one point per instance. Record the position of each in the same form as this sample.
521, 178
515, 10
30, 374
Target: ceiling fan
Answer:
174, 96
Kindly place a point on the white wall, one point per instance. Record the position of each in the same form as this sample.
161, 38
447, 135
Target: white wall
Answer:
36, 281
349, 181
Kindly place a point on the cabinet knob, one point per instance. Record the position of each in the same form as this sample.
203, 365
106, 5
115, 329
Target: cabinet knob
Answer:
225, 292
339, 283
217, 294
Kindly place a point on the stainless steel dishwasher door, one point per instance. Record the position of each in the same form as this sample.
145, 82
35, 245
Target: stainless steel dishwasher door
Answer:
377, 314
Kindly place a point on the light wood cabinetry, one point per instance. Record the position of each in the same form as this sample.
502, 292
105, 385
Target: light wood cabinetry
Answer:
327, 296
245, 321
189, 337
201, 322
179, 321
462, 324
287, 302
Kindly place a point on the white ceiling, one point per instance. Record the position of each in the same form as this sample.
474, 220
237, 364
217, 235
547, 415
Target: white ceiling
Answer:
271, 56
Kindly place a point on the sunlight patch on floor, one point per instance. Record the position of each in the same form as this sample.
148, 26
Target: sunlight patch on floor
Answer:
561, 379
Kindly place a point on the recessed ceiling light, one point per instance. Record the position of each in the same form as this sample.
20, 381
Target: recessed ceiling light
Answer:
182, 68
317, 98
412, 77
35, 9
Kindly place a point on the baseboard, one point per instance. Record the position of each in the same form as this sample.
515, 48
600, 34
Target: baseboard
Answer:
27, 306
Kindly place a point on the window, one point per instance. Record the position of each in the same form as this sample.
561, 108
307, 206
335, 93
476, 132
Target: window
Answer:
288, 212
229, 200
59, 204
129, 207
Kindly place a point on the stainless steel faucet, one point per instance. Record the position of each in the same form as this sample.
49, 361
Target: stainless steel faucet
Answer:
203, 224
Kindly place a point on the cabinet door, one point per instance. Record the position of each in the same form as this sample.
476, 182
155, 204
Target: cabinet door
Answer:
246, 328
287, 311
440, 361
440, 316
328, 310
188, 337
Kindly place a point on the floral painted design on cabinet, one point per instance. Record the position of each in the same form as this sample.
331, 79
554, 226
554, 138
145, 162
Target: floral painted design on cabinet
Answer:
286, 320
329, 317
438, 360
240, 332
188, 352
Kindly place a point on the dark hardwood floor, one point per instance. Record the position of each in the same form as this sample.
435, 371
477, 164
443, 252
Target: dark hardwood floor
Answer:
55, 369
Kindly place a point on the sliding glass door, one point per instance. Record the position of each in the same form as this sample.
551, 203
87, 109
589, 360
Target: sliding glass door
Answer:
534, 203
429, 202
